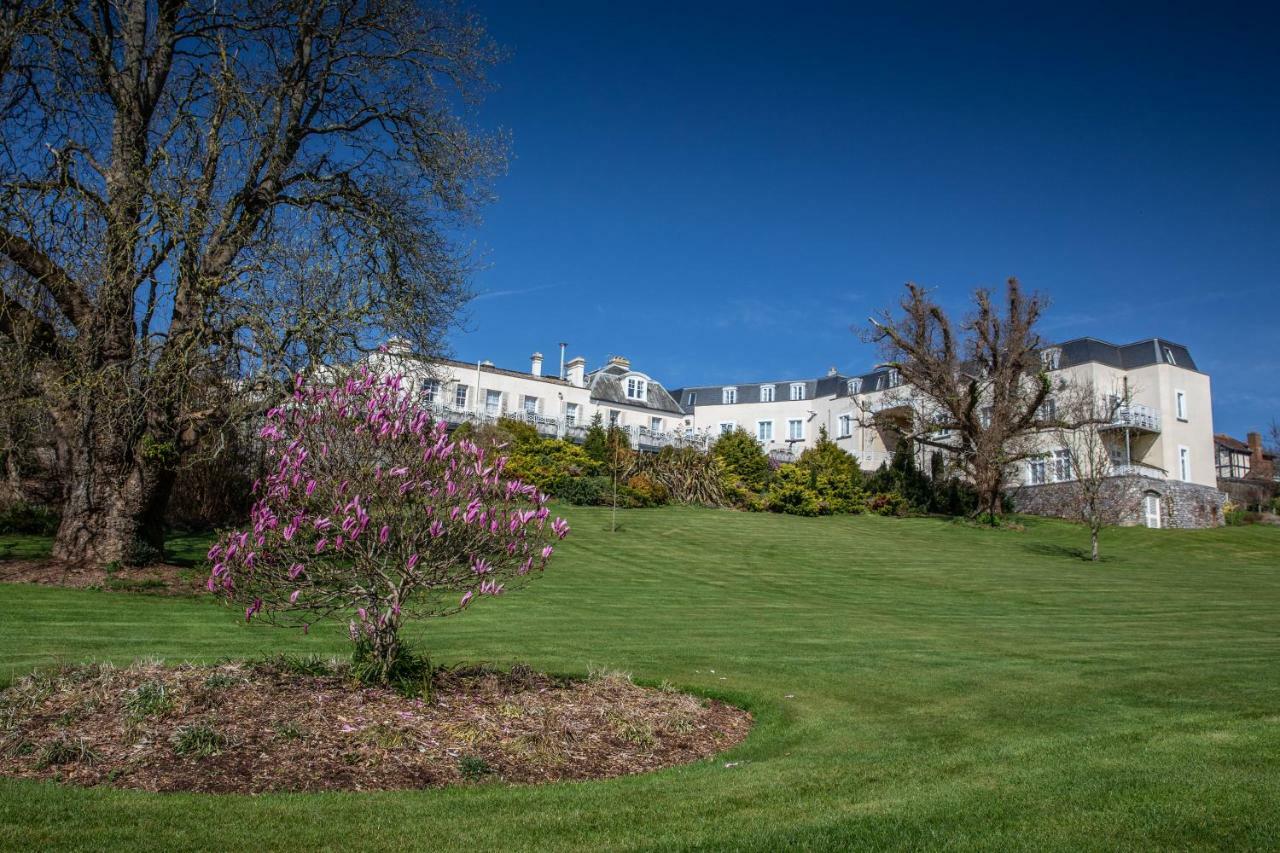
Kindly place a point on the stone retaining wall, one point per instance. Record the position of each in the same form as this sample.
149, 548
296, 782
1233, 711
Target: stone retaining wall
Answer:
1187, 505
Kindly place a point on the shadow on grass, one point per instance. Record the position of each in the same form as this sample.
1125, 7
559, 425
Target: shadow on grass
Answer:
1046, 549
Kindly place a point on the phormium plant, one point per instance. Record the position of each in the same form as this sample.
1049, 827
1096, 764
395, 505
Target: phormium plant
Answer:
372, 512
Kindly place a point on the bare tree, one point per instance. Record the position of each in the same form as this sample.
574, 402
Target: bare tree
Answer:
1092, 493
198, 198
983, 380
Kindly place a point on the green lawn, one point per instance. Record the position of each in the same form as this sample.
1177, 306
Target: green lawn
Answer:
917, 684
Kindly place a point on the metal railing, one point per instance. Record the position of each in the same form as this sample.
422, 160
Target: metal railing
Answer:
1137, 416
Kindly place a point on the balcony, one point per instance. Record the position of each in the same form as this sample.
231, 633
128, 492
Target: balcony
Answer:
1136, 417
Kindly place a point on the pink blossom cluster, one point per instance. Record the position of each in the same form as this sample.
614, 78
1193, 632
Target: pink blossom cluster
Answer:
372, 509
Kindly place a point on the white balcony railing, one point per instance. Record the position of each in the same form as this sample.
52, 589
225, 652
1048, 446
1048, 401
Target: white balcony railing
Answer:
1137, 416
552, 427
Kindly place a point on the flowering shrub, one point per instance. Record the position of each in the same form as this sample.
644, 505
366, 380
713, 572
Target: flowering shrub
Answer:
372, 512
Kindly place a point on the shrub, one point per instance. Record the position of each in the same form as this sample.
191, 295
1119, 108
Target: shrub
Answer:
371, 511
743, 459
689, 475
148, 699
29, 518
583, 491
792, 498
889, 503
644, 491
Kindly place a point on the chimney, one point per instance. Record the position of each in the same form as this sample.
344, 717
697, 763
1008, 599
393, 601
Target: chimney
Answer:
1255, 451
831, 371
576, 372
536, 367
620, 361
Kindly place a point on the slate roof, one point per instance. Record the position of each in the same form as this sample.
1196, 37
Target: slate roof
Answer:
1125, 356
606, 386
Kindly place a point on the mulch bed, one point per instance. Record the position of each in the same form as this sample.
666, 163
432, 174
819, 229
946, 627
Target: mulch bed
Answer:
160, 578
304, 725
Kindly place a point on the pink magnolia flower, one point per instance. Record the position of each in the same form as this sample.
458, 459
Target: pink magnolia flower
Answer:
413, 561
560, 527
466, 599
384, 534
293, 598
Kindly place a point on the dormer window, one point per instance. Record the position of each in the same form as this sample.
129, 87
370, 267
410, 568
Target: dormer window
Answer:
855, 386
894, 379
797, 390
729, 396
637, 389
766, 393
691, 398
1051, 358
1168, 356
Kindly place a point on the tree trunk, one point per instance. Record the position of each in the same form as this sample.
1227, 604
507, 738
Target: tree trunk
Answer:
1093, 531
114, 503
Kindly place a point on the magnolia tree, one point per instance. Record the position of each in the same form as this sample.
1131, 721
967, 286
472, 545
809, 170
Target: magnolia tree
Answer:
370, 511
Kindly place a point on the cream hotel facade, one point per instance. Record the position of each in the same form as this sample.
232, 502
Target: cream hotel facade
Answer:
1161, 440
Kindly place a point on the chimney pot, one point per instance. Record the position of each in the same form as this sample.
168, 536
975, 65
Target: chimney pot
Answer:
536, 367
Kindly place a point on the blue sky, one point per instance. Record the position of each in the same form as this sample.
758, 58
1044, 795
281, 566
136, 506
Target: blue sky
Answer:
718, 191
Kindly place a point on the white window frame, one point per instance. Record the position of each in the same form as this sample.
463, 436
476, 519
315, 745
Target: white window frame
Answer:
797, 391
1168, 356
655, 424
767, 393
1184, 463
1147, 515
637, 388
1180, 405
431, 391
846, 426
492, 401
895, 378
727, 427
615, 418
855, 386
570, 413
795, 429
460, 395
1037, 471
691, 398
529, 409
729, 396
760, 431
1051, 358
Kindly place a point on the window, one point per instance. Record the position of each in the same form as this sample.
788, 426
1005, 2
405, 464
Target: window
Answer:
727, 427
1168, 356
1180, 404
1048, 410
691, 398
430, 391
797, 390
655, 424
1060, 464
729, 396
530, 405
895, 379
1051, 358
984, 416
1053, 467
615, 417
846, 426
636, 388
764, 430
493, 402
766, 393
460, 397
855, 386
570, 413
795, 429
1184, 463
